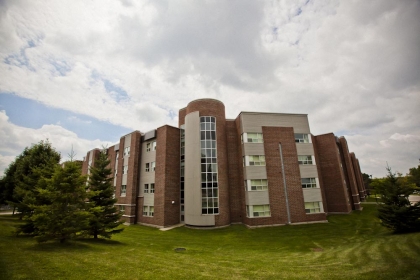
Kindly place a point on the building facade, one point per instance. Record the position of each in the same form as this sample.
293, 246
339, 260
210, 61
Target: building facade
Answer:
259, 169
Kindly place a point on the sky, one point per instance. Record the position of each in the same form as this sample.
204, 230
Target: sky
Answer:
84, 73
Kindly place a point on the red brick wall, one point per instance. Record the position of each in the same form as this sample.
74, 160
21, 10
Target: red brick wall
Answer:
358, 175
236, 199
133, 176
167, 176
181, 116
348, 169
329, 161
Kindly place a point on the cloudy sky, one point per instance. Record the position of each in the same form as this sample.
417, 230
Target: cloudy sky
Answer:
84, 73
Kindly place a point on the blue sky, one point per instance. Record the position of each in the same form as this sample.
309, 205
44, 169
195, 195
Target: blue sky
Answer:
84, 73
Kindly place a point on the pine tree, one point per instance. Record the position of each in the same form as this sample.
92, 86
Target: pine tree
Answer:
396, 212
65, 215
105, 216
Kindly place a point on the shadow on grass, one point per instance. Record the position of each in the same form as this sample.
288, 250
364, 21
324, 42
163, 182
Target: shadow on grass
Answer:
78, 244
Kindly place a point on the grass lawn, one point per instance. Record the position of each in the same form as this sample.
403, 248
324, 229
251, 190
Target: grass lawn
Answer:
348, 247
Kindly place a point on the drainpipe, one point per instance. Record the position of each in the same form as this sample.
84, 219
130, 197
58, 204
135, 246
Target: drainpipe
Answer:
285, 186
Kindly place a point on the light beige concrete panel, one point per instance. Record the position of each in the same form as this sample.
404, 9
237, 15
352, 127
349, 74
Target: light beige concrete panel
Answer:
149, 199
305, 149
253, 149
192, 188
308, 171
146, 177
127, 140
311, 195
124, 179
255, 172
253, 122
256, 197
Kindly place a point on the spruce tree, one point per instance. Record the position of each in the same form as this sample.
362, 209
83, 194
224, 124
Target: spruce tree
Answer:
396, 212
65, 215
105, 217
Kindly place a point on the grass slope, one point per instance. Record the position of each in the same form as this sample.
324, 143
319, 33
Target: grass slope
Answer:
348, 247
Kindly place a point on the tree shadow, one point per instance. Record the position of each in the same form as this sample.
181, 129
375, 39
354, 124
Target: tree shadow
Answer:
99, 241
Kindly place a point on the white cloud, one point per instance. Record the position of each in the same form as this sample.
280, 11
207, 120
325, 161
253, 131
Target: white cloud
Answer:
16, 138
352, 66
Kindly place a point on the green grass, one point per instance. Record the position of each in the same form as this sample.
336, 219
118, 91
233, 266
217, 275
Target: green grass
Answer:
372, 198
348, 247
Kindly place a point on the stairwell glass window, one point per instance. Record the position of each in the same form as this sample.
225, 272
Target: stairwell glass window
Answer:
125, 169
152, 166
308, 183
126, 151
301, 138
305, 159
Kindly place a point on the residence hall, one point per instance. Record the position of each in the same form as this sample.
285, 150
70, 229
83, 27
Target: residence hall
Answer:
259, 169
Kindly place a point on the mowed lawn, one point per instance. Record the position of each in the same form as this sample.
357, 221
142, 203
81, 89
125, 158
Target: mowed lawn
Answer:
351, 246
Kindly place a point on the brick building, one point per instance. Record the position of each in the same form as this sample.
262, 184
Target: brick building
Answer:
258, 169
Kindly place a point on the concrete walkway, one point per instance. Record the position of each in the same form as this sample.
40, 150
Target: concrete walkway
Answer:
169, 228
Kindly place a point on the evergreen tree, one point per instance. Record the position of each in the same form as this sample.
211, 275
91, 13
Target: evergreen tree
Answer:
105, 216
396, 212
35, 163
65, 215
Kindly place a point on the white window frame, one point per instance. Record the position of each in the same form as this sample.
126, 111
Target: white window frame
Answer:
122, 208
256, 185
146, 188
152, 188
313, 183
306, 160
153, 166
154, 146
123, 190
252, 137
314, 207
148, 147
255, 160
306, 138
253, 211
148, 211
125, 169
126, 151
147, 168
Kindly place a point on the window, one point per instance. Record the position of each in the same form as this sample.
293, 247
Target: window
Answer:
148, 211
256, 185
125, 169
313, 207
151, 146
152, 188
209, 178
258, 210
116, 157
123, 190
254, 137
152, 166
301, 138
122, 208
147, 167
146, 188
308, 183
127, 151
305, 159
256, 160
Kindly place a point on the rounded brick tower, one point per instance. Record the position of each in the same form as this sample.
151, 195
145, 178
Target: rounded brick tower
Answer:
206, 175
